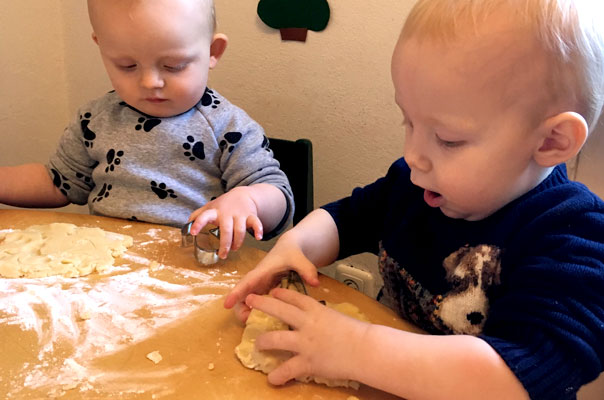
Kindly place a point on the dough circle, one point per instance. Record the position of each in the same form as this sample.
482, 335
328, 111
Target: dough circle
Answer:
59, 249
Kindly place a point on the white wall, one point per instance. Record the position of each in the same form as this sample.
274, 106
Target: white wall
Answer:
334, 89
36, 54
33, 105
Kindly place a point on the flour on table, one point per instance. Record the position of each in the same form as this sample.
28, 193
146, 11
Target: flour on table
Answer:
59, 249
259, 322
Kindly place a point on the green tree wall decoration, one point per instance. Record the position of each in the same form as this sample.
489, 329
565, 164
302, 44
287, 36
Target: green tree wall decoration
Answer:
294, 17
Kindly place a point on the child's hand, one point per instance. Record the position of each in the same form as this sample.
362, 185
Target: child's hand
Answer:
284, 256
233, 212
323, 340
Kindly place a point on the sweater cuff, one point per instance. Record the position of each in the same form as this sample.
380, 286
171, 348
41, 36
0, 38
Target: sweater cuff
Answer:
282, 224
544, 370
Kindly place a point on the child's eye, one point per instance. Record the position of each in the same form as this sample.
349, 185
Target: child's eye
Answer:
175, 68
449, 143
130, 67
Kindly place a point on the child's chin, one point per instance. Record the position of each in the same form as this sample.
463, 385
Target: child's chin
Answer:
455, 214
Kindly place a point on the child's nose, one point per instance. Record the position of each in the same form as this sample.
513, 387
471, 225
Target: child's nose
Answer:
151, 79
415, 157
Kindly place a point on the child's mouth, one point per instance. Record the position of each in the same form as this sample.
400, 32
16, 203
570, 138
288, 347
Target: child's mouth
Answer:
433, 199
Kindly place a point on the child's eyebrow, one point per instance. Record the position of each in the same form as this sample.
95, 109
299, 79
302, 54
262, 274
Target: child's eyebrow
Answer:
453, 122
178, 56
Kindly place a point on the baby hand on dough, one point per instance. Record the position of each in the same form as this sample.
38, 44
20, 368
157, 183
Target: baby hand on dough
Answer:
284, 256
322, 340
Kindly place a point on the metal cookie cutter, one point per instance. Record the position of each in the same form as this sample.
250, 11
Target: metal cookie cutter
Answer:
205, 244
293, 281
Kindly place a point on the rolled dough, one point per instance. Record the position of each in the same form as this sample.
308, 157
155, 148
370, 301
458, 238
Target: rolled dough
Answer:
59, 249
259, 322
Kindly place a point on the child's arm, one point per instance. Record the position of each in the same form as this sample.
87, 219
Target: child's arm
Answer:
312, 242
332, 345
260, 207
29, 185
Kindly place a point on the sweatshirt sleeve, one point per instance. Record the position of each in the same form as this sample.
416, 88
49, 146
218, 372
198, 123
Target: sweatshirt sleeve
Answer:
547, 322
247, 160
71, 166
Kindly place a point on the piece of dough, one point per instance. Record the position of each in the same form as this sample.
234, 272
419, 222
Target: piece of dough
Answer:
155, 356
259, 322
59, 249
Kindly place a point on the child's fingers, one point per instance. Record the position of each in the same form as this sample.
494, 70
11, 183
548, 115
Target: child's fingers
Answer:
253, 282
290, 369
239, 232
290, 314
259, 280
242, 311
279, 340
255, 224
226, 237
294, 298
196, 213
202, 219
307, 271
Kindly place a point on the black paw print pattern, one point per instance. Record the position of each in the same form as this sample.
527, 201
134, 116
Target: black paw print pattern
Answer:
229, 141
89, 135
194, 149
161, 191
79, 175
60, 181
113, 159
103, 193
265, 143
147, 123
208, 99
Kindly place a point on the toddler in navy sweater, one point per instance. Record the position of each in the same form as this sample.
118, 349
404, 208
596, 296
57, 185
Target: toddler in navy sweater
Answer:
482, 239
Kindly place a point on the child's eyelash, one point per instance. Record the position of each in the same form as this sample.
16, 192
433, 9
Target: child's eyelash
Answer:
449, 143
174, 68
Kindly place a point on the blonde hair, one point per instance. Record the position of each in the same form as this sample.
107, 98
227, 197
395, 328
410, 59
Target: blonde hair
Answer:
566, 30
205, 5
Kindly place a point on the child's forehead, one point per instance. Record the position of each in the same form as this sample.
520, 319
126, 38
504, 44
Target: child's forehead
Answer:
434, 75
500, 52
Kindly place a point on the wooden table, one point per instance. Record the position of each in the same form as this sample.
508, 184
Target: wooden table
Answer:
88, 337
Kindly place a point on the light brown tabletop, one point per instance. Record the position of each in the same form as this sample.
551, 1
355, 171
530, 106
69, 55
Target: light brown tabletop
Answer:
88, 337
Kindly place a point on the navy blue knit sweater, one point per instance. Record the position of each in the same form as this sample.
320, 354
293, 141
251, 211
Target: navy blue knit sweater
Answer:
529, 279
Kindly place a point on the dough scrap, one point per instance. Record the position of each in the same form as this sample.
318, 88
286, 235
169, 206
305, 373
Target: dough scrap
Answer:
259, 322
59, 249
155, 356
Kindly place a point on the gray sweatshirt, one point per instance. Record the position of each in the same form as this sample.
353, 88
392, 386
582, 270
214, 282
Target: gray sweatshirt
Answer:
127, 164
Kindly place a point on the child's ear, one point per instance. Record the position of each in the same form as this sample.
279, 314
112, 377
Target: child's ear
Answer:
217, 48
563, 135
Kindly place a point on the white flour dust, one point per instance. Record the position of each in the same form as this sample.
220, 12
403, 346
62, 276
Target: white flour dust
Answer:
63, 324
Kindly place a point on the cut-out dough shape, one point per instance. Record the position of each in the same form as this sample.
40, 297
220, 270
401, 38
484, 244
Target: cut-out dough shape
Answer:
59, 249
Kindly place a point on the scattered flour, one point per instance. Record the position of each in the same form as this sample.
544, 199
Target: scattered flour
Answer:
69, 323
